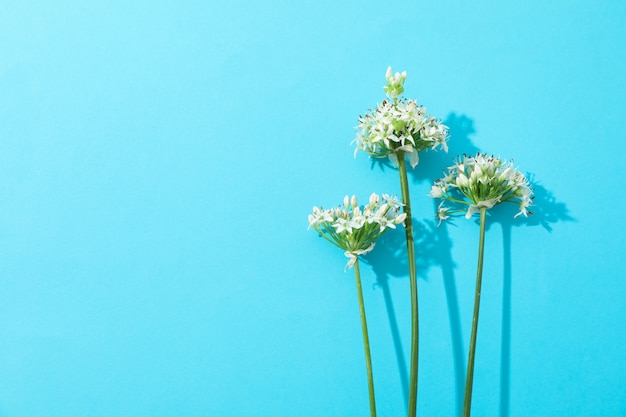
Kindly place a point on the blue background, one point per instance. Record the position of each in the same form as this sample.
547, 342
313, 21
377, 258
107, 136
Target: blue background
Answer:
158, 162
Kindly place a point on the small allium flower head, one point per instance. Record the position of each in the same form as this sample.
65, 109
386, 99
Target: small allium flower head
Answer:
399, 125
480, 181
355, 229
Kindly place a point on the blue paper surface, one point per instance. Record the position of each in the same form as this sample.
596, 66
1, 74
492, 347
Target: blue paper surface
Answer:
158, 162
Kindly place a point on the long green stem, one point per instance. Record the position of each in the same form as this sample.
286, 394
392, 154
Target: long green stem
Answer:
469, 379
410, 248
366, 341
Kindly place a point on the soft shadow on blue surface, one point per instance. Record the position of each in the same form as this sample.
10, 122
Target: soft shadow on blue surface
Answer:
546, 211
433, 164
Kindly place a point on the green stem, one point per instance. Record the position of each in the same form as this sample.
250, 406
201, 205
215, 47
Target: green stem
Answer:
410, 248
366, 341
469, 379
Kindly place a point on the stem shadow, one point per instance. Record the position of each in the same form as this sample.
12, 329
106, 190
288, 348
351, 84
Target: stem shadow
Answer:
389, 260
546, 212
461, 129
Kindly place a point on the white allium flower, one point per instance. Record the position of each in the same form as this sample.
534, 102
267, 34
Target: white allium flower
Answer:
479, 181
355, 229
436, 191
399, 125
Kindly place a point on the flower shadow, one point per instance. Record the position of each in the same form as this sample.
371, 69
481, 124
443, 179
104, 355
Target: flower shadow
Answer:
434, 163
546, 210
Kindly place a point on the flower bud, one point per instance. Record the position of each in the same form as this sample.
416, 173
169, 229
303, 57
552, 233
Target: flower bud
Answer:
435, 192
461, 180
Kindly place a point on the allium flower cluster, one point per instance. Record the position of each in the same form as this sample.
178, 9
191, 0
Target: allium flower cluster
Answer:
480, 181
355, 229
399, 125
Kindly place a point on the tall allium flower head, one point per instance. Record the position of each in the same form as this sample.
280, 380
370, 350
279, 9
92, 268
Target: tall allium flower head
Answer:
355, 229
481, 181
399, 125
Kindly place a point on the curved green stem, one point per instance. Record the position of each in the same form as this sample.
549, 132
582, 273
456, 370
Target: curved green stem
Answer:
469, 378
410, 248
366, 341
